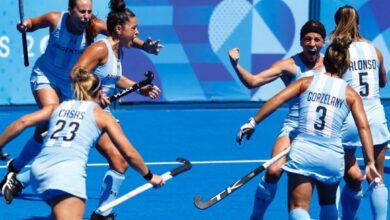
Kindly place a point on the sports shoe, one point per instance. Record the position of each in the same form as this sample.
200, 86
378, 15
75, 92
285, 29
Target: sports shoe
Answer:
96, 216
11, 188
10, 168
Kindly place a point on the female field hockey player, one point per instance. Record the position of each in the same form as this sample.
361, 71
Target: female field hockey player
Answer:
104, 58
366, 74
58, 173
317, 155
306, 63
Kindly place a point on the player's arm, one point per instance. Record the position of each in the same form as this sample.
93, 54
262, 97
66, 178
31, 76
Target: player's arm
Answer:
18, 126
46, 20
355, 103
252, 81
108, 124
293, 90
151, 91
94, 55
382, 70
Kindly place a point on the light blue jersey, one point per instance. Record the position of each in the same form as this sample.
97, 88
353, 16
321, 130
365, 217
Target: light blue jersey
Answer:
110, 72
363, 76
291, 121
61, 165
317, 151
53, 67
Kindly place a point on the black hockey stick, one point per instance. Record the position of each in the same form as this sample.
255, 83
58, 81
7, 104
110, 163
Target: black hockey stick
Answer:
166, 176
238, 184
24, 36
149, 78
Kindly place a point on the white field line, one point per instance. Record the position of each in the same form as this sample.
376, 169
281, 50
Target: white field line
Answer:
195, 162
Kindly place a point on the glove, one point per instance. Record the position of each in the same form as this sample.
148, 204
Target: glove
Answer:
152, 47
246, 130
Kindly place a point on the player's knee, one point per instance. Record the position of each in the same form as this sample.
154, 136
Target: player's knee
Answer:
273, 174
353, 178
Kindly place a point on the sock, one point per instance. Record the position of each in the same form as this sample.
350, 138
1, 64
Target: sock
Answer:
338, 198
378, 201
112, 182
24, 178
265, 193
30, 150
349, 204
329, 212
298, 214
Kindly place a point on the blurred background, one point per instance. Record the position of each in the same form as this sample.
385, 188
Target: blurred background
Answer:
194, 66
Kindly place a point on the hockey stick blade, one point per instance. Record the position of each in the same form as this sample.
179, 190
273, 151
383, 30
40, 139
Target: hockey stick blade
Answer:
149, 78
238, 184
166, 176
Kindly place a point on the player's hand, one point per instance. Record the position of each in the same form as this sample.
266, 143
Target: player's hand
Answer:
371, 173
152, 47
105, 101
234, 55
152, 91
157, 181
246, 130
22, 27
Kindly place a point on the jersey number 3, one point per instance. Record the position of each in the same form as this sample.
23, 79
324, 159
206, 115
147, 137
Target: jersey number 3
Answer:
319, 125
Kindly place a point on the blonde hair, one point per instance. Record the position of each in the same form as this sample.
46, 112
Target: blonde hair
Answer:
347, 23
86, 85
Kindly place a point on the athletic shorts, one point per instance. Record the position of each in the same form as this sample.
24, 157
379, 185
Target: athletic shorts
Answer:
318, 159
43, 79
378, 125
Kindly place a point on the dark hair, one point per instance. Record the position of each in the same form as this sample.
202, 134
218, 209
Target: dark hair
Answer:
313, 26
86, 85
336, 58
347, 23
119, 15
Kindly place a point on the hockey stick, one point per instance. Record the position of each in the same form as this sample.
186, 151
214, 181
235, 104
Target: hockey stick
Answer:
24, 36
166, 176
238, 184
149, 78
368, 191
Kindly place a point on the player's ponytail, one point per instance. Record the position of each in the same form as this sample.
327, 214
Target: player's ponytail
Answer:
337, 57
86, 85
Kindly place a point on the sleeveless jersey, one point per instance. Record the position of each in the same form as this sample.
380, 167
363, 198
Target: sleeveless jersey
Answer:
363, 76
61, 165
110, 72
291, 121
302, 71
317, 151
63, 50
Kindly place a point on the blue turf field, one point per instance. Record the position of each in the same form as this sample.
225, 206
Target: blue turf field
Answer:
203, 135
